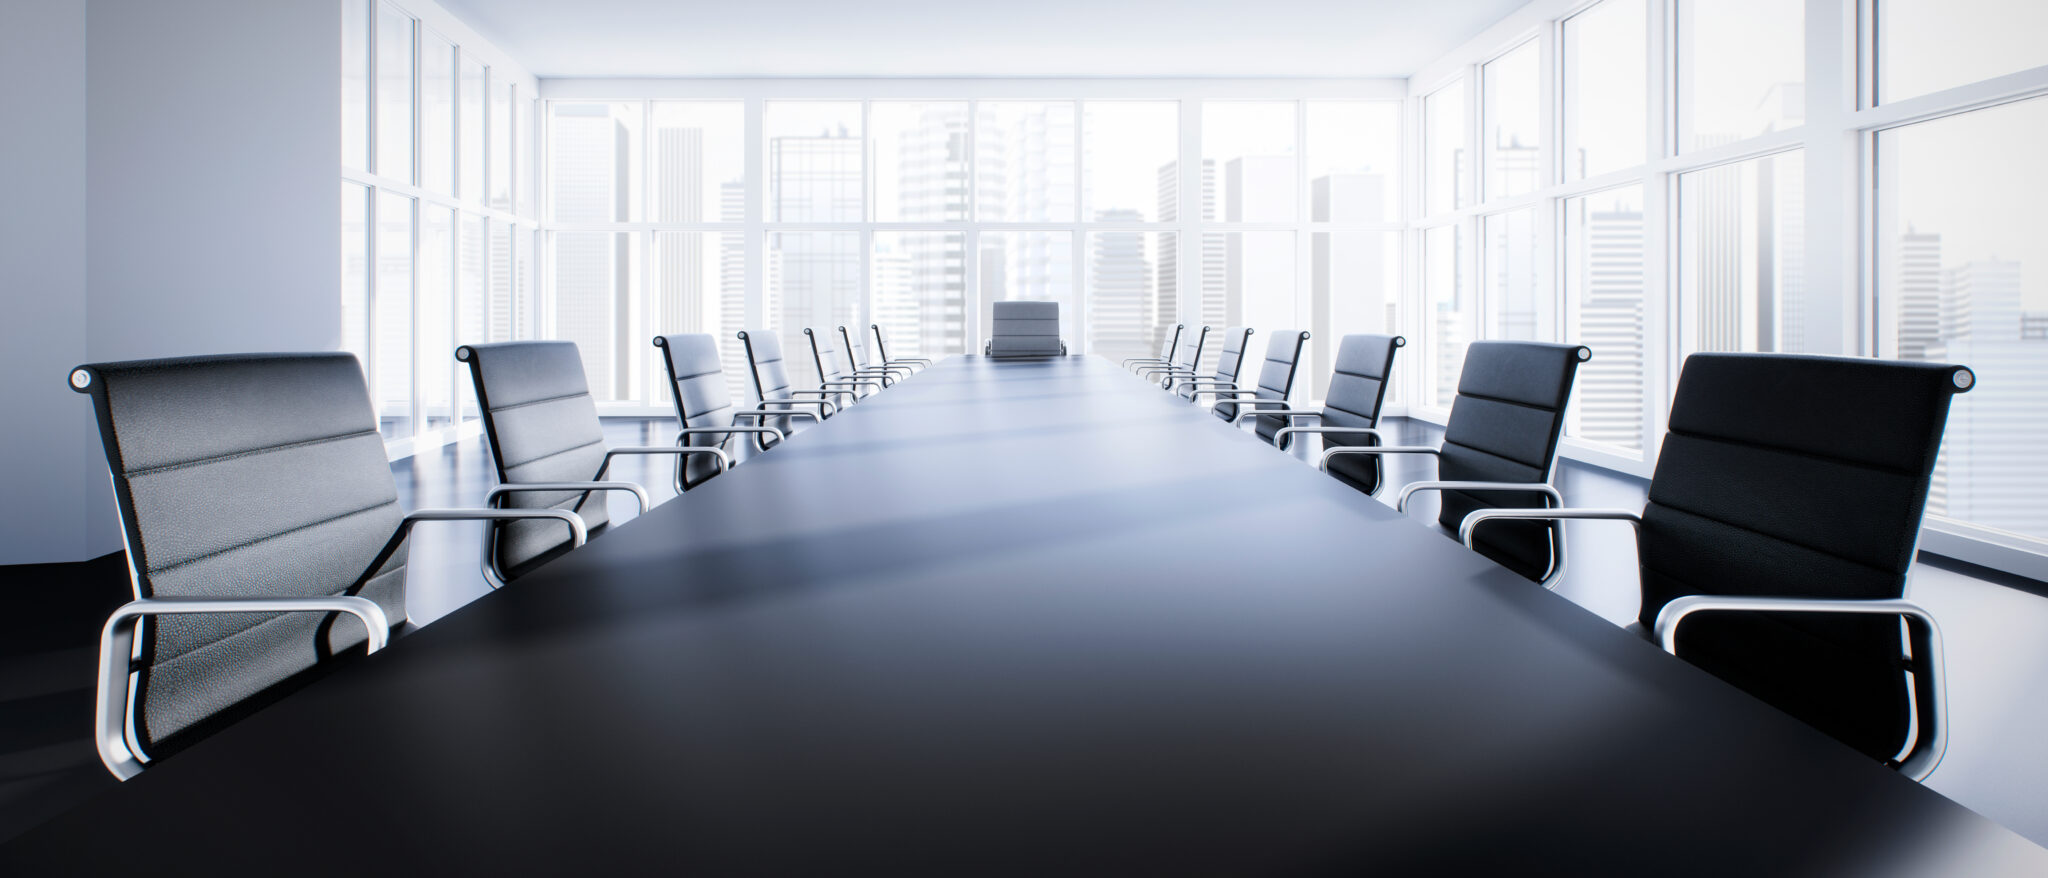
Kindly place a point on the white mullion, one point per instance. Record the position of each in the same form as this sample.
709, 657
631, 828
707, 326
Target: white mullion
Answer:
1188, 214
1079, 237
1304, 297
970, 272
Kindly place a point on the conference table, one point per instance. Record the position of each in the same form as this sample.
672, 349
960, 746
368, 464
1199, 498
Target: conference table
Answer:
1021, 617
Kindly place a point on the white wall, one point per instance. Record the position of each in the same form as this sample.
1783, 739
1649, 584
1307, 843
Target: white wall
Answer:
51, 447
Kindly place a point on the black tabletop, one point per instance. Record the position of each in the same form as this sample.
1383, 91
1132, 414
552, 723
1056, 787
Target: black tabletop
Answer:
1023, 618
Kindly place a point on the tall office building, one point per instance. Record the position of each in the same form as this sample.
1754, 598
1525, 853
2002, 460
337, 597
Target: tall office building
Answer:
932, 170
1212, 260
593, 283
814, 179
1037, 179
1610, 315
1989, 472
1919, 291
1120, 294
677, 296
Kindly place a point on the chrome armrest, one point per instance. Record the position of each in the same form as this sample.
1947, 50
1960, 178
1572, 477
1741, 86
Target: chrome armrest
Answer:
1930, 741
1290, 413
759, 415
724, 460
578, 533
1240, 400
920, 360
119, 750
1556, 571
824, 405
639, 493
1280, 438
698, 431
1472, 522
1323, 463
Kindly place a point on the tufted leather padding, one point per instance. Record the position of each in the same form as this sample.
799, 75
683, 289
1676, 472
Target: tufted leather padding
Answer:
1025, 329
1797, 476
1276, 378
698, 380
1358, 387
251, 475
543, 427
1504, 427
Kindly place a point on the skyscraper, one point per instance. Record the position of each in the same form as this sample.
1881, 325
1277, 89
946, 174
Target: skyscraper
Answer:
1213, 260
932, 168
1989, 472
593, 305
1919, 292
817, 274
1610, 322
1120, 295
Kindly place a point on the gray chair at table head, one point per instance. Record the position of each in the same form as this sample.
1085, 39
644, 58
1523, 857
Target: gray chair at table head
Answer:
1168, 345
1500, 448
1350, 414
1229, 365
1275, 384
1780, 528
1025, 329
1186, 360
547, 446
882, 351
258, 508
771, 385
704, 407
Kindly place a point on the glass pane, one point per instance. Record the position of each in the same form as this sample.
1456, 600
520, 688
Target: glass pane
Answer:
593, 161
594, 281
1958, 218
498, 169
391, 341
1131, 304
1518, 308
1742, 256
1354, 287
1512, 88
920, 151
1929, 45
355, 83
525, 124
355, 272
1206, 303
1603, 286
1024, 154
814, 162
1252, 146
436, 332
1255, 287
1128, 169
1606, 91
690, 295
394, 93
1029, 266
472, 313
525, 243
470, 113
437, 114
699, 147
1448, 313
506, 320
813, 281
918, 287
1741, 69
1354, 161
1443, 160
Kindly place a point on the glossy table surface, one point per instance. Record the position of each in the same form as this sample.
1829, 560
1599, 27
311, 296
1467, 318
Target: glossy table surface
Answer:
1022, 618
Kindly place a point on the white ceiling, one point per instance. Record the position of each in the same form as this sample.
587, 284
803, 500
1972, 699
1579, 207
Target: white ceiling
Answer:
978, 37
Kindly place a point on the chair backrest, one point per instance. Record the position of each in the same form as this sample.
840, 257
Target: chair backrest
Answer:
856, 353
697, 380
881, 342
543, 427
1503, 427
1797, 476
1025, 329
253, 475
1358, 387
825, 354
769, 373
1168, 345
1276, 377
1190, 356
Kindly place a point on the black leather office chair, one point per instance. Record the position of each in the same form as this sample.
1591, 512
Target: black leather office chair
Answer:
771, 383
1499, 449
1350, 414
1229, 364
1186, 361
547, 446
1025, 329
825, 357
1781, 525
1276, 381
882, 351
1167, 347
257, 508
857, 360
704, 407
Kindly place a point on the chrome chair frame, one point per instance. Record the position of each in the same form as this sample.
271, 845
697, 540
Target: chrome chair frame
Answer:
882, 351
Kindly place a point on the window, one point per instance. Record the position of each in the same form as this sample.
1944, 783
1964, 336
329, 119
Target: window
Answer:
1029, 266
594, 152
470, 127
1741, 69
1606, 95
814, 162
355, 84
1604, 301
1354, 161
434, 329
1354, 287
1447, 313
1131, 304
920, 160
1024, 160
1929, 45
394, 93
694, 289
1742, 256
1959, 228
697, 162
437, 115
355, 271
1255, 288
1252, 147
1513, 90
1519, 307
918, 289
814, 282
1443, 144
596, 282
1128, 170
392, 319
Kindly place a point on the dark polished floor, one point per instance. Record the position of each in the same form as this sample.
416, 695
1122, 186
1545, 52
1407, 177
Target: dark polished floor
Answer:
1997, 662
